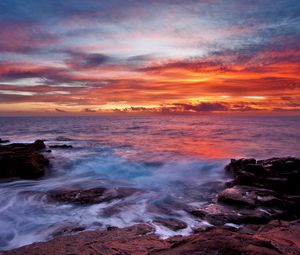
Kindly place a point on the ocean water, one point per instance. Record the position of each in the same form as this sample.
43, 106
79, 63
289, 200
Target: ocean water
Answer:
169, 158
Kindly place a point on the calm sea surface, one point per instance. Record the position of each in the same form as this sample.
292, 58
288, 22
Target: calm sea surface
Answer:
168, 157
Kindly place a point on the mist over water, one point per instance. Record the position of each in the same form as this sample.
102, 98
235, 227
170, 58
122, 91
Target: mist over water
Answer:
168, 158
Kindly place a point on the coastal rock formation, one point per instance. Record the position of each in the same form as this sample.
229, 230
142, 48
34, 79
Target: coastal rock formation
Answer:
256, 213
91, 196
4, 141
260, 191
271, 184
23, 160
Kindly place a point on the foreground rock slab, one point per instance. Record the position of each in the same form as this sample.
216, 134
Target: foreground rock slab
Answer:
271, 239
23, 160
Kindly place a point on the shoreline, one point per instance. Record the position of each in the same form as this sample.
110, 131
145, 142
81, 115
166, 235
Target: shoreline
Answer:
256, 213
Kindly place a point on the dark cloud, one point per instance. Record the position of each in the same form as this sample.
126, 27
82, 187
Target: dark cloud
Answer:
60, 110
243, 107
142, 58
21, 70
89, 110
82, 60
203, 107
196, 108
194, 64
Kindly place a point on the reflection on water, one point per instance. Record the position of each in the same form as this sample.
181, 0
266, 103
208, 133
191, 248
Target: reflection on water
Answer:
202, 136
169, 158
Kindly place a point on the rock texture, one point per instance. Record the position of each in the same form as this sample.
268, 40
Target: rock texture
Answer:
23, 160
90, 196
271, 239
260, 191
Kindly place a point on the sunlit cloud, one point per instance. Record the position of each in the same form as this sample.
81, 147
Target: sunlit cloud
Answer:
255, 97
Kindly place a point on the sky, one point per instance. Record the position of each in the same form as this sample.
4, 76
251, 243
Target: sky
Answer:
168, 56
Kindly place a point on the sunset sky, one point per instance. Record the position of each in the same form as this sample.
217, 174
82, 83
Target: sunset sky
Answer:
168, 56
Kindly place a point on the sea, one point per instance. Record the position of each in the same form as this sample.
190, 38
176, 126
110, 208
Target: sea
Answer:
168, 158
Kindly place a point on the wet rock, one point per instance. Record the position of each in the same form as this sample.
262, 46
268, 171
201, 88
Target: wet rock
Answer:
237, 196
91, 196
23, 160
274, 184
60, 146
171, 223
38, 145
219, 215
222, 240
271, 239
4, 141
256, 194
278, 174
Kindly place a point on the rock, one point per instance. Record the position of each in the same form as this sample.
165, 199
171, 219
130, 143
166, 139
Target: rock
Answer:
4, 141
259, 192
219, 215
60, 146
285, 236
90, 196
278, 174
272, 184
272, 239
23, 160
171, 223
38, 145
226, 241
236, 196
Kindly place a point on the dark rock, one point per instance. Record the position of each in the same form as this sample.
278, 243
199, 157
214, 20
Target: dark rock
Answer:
271, 184
60, 146
23, 160
237, 196
4, 141
171, 223
259, 192
219, 215
278, 174
38, 145
91, 196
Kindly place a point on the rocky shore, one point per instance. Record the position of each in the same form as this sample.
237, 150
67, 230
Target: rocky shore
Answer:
18, 160
257, 212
